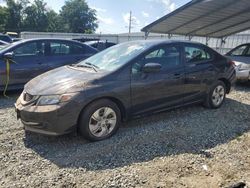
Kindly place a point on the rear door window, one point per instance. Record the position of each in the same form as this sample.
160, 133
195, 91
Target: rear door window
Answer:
76, 49
59, 48
196, 54
66, 48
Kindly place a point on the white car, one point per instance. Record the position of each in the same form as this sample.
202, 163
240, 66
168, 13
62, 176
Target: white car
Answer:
241, 56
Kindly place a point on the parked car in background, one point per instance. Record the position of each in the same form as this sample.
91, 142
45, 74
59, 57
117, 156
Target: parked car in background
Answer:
36, 56
100, 45
126, 80
3, 43
85, 39
241, 56
16, 39
12, 34
5, 38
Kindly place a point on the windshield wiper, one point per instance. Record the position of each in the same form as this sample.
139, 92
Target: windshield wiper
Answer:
92, 65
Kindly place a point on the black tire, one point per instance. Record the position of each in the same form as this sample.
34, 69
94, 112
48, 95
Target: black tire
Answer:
209, 98
84, 119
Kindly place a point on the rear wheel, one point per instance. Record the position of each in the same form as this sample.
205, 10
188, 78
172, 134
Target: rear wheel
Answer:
100, 120
216, 96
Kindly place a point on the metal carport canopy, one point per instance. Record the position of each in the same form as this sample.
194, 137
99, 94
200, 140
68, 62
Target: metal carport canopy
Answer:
205, 18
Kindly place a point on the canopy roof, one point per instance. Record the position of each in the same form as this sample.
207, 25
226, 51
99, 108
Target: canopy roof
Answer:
206, 18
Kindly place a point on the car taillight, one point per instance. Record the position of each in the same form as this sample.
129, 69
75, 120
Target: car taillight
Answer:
232, 63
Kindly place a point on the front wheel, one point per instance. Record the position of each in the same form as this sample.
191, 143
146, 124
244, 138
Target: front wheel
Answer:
100, 120
216, 96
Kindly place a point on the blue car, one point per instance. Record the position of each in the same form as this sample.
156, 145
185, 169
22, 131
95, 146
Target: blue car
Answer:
30, 58
5, 38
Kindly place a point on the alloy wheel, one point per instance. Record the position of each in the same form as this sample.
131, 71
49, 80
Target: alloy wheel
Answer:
102, 122
218, 95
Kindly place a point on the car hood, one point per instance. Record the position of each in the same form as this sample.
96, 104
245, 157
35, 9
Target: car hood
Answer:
61, 80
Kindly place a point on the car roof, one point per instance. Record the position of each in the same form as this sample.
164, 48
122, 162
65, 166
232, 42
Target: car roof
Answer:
47, 39
164, 41
159, 41
243, 45
41, 39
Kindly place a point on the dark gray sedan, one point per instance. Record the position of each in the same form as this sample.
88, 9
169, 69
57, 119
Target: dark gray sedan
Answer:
126, 80
35, 56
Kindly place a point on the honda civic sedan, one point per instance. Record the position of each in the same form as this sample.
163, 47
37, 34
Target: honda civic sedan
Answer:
128, 80
35, 56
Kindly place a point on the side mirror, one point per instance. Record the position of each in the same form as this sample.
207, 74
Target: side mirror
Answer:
151, 67
8, 55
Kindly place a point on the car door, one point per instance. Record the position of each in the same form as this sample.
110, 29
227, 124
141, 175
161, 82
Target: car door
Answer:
30, 61
199, 70
151, 91
65, 53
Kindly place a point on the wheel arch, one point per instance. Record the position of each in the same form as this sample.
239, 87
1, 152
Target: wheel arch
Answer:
118, 102
227, 84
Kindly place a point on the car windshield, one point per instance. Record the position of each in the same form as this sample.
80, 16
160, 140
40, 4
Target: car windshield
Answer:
116, 56
6, 46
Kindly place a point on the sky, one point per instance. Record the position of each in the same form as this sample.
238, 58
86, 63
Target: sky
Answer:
113, 15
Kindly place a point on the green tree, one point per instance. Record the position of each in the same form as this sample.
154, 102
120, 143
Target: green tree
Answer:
78, 17
15, 14
4, 17
55, 22
35, 16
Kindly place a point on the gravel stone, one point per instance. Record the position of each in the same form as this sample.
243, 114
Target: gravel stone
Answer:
187, 147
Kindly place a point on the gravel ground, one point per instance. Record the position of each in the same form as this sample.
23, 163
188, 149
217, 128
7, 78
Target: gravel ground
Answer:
187, 147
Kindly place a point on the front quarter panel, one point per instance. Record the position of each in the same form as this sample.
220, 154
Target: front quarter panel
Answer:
114, 86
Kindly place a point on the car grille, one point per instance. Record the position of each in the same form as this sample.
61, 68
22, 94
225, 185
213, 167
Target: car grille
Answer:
27, 97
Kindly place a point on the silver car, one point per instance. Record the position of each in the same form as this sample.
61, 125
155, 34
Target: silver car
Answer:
241, 56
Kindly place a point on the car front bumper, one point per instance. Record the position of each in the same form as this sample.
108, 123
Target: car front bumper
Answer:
50, 120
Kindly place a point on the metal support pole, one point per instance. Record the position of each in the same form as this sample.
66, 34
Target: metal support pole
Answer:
146, 35
207, 40
223, 41
190, 37
170, 36
217, 48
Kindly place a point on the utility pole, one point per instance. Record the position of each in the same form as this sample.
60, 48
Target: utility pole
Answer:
129, 25
130, 22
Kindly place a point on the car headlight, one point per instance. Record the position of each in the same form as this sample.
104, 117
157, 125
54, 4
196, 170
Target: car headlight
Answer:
54, 99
